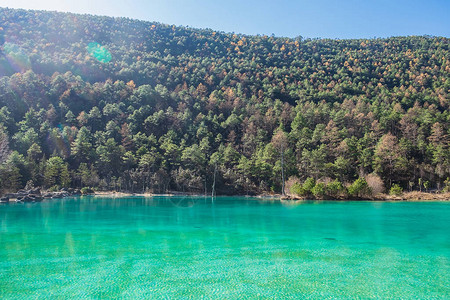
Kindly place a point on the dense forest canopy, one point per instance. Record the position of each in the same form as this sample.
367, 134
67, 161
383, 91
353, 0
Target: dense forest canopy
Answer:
116, 103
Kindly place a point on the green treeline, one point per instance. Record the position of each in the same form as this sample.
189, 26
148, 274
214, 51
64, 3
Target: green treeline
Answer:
116, 103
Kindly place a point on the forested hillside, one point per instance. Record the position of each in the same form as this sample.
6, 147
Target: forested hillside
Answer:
115, 103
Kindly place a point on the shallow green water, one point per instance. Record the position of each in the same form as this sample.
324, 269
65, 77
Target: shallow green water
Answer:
230, 248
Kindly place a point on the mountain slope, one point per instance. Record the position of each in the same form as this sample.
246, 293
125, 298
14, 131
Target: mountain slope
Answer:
145, 105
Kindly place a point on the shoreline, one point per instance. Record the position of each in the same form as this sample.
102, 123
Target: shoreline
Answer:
408, 196
405, 197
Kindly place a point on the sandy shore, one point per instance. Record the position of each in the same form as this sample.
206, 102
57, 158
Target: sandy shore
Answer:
409, 196
122, 194
119, 194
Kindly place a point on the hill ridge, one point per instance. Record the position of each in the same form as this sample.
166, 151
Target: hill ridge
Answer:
170, 106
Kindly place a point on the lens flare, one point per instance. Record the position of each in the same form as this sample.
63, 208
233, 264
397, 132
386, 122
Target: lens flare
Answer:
16, 57
99, 52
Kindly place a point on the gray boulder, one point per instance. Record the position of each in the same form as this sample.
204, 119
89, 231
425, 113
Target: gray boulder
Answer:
27, 199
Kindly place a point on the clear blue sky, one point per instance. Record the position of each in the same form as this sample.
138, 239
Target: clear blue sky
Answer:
308, 18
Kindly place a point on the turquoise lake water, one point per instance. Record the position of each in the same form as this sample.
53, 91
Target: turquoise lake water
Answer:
229, 248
